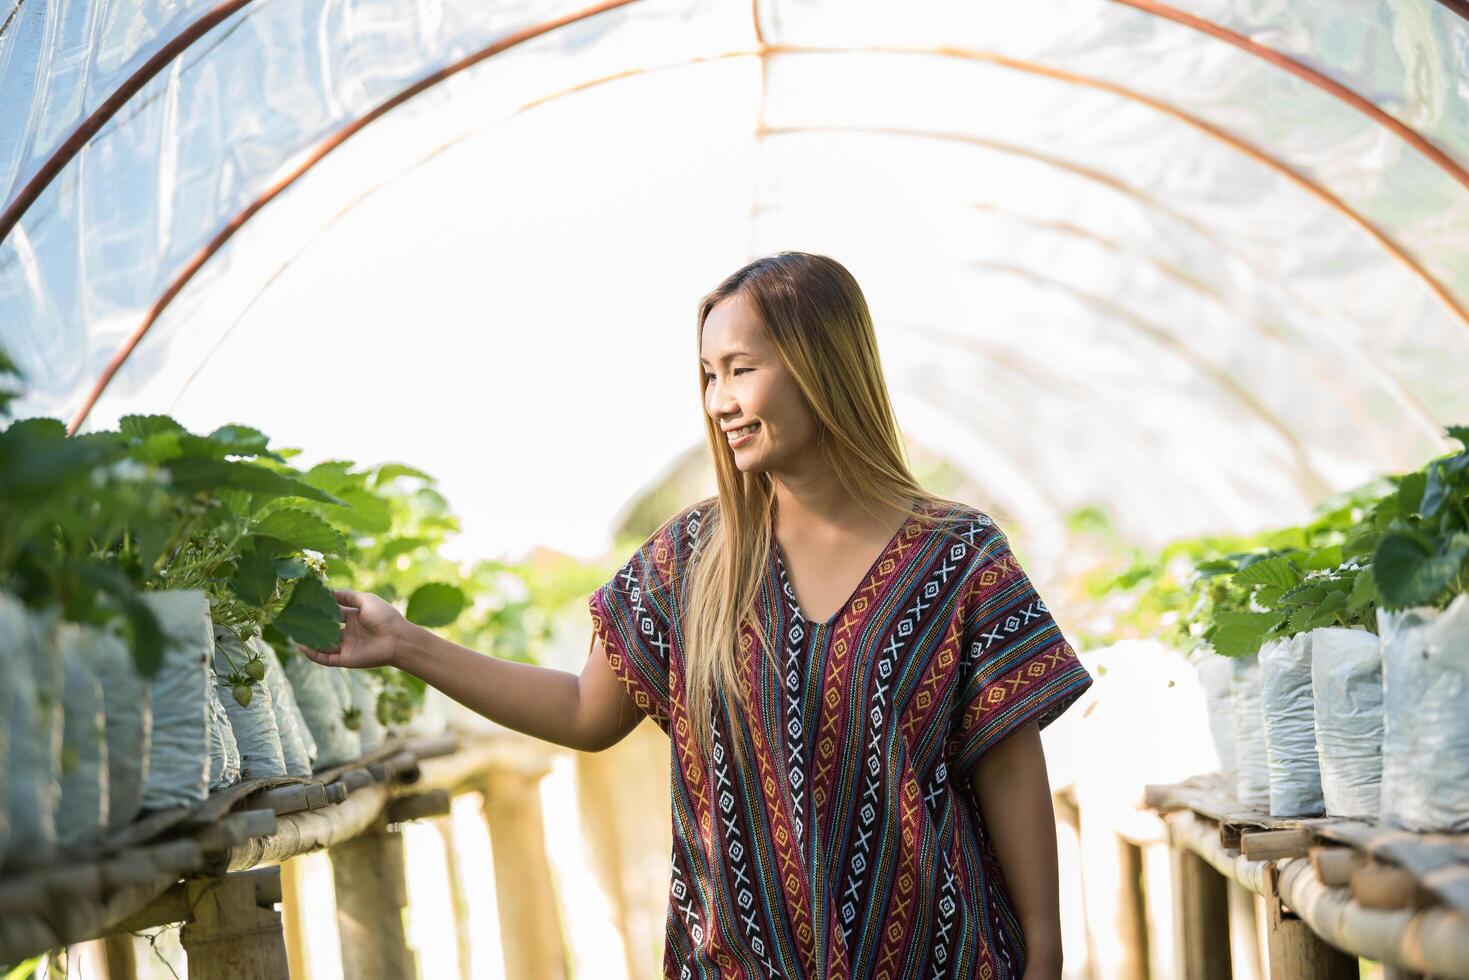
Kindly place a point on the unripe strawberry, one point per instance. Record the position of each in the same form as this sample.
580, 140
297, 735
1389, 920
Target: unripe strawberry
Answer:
243, 693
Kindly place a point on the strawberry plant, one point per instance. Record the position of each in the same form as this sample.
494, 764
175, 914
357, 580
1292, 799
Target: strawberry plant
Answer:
1420, 553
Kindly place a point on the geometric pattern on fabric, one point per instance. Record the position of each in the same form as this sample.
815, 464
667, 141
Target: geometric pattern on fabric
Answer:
849, 842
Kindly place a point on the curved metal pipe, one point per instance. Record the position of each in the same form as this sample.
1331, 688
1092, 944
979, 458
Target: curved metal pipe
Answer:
1439, 157
98, 117
315, 157
1310, 483
1061, 75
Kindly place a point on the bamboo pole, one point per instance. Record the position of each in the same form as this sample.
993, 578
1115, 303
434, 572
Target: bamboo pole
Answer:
444, 825
530, 919
1201, 918
291, 906
235, 932
1297, 953
372, 892
1430, 940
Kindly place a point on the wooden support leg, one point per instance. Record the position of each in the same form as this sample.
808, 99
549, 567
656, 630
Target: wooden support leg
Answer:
1112, 883
372, 893
530, 919
1244, 934
235, 932
1200, 918
122, 958
291, 909
445, 827
1297, 953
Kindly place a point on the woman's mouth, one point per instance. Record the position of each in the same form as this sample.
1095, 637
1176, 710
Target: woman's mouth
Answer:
738, 437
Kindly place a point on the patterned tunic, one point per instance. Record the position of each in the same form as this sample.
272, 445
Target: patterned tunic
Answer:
851, 843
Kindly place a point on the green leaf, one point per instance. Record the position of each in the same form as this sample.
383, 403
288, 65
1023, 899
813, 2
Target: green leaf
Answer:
1236, 641
435, 604
1259, 622
388, 472
1324, 559
1436, 492
241, 440
1409, 572
365, 512
1214, 567
193, 474
1459, 432
311, 617
302, 529
1364, 591
254, 578
332, 476
290, 569
1277, 571
140, 427
394, 547
1269, 595
1410, 491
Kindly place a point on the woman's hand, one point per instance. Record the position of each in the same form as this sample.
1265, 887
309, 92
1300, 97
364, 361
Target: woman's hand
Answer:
370, 635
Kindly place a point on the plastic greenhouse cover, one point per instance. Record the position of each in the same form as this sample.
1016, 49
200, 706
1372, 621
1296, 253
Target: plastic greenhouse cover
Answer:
1115, 253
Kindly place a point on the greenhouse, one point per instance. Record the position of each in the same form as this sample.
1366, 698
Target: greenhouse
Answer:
320, 317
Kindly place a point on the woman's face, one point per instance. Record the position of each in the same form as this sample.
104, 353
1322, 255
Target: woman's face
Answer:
747, 388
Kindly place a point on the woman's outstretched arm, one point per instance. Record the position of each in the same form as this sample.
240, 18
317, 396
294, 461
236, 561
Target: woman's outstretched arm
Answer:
1015, 797
589, 712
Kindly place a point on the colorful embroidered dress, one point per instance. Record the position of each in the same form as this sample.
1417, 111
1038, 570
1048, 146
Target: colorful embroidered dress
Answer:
850, 844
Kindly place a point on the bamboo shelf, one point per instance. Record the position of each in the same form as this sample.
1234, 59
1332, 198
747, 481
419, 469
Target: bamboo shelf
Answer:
1335, 889
152, 872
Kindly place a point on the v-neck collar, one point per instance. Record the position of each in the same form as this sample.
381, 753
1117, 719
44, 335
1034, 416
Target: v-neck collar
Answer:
877, 562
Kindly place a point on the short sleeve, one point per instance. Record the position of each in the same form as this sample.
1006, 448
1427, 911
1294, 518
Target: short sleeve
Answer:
1017, 666
632, 615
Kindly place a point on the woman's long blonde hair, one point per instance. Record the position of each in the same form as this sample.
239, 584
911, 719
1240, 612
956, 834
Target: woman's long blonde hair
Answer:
816, 318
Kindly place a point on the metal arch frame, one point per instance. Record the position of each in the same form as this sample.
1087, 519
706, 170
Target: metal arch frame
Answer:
1241, 146
1440, 157
1042, 372
323, 148
1311, 484
1193, 284
1066, 77
1460, 7
98, 117
89, 127
1111, 183
1115, 185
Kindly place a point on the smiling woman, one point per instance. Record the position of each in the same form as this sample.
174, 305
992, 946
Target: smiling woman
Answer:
833, 751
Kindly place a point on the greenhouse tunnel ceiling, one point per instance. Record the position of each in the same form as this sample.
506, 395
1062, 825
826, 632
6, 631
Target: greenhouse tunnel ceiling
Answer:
1199, 264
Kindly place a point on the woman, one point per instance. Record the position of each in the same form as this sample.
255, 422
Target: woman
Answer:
858, 783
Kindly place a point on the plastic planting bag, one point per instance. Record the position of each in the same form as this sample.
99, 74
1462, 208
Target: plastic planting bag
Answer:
1290, 727
224, 751
365, 688
178, 754
321, 706
1346, 681
1425, 737
1251, 762
298, 748
81, 816
254, 725
1215, 676
31, 699
129, 721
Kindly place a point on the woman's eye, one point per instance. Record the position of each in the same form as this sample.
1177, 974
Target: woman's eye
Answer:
738, 370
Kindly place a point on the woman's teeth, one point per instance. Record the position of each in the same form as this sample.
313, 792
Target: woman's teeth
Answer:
735, 434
